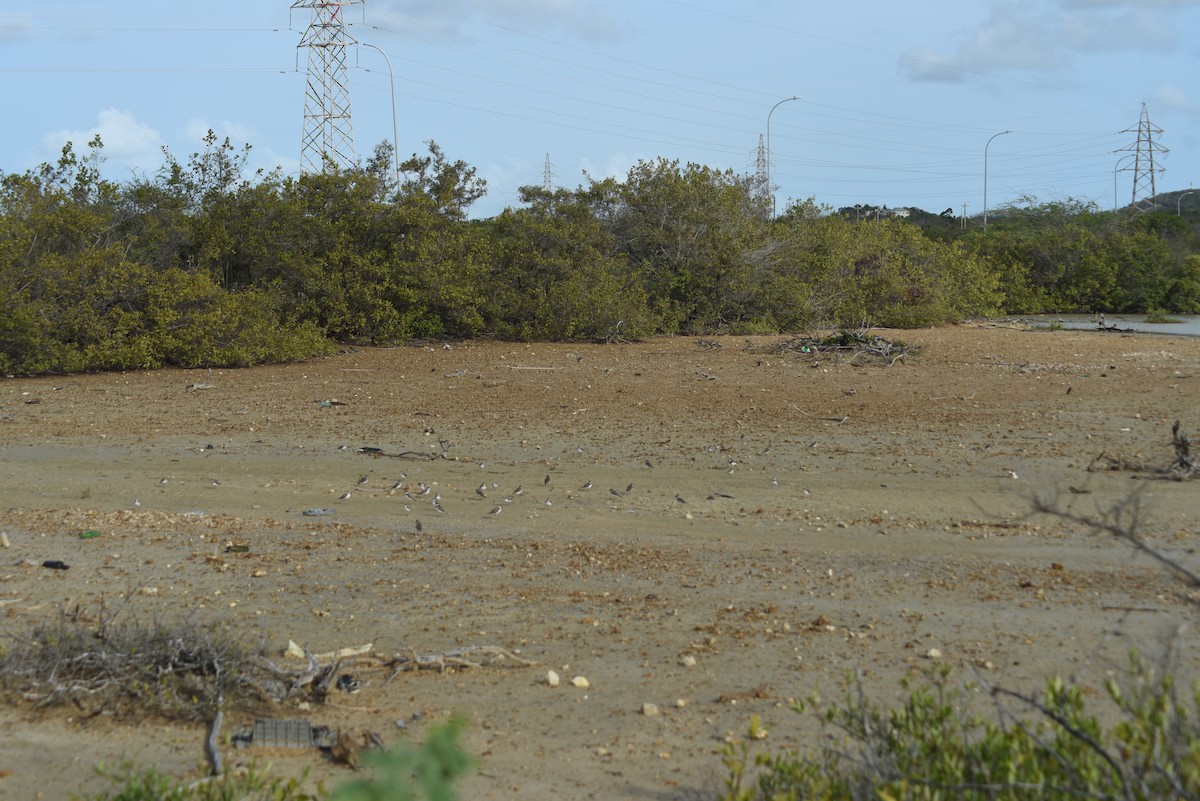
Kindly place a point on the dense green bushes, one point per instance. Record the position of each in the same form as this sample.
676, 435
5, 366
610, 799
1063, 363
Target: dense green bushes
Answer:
204, 264
931, 748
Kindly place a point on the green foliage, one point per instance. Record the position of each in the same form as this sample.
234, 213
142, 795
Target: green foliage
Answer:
403, 773
208, 263
1070, 257
406, 773
835, 271
687, 231
556, 276
930, 748
134, 783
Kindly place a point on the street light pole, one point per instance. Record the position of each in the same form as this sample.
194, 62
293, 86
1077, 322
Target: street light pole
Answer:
771, 188
985, 165
1179, 202
1116, 168
395, 128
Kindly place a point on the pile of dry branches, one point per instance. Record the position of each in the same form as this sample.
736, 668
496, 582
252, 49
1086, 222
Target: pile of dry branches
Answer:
1183, 468
122, 666
852, 347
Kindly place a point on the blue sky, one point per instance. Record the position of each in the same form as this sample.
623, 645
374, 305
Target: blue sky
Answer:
899, 99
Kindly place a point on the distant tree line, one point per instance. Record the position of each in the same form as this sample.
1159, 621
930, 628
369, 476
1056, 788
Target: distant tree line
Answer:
203, 264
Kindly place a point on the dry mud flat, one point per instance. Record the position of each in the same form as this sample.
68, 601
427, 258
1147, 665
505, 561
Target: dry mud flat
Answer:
757, 524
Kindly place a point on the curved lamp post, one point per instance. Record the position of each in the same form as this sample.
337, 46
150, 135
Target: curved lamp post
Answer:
771, 188
395, 129
1179, 202
1116, 169
985, 165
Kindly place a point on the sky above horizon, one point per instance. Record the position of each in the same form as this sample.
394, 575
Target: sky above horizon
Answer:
897, 105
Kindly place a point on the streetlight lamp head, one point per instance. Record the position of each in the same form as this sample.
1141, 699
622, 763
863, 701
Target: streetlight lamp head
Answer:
770, 188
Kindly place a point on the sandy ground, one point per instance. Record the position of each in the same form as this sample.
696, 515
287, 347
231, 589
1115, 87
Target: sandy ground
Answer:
876, 520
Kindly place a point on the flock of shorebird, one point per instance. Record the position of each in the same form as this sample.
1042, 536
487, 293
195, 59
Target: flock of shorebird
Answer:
415, 493
418, 492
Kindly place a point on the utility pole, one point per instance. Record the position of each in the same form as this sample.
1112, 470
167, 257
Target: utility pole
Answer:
548, 175
328, 138
761, 174
770, 188
1144, 168
985, 165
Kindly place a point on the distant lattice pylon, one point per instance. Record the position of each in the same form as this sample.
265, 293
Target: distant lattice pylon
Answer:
548, 175
1144, 168
328, 138
760, 168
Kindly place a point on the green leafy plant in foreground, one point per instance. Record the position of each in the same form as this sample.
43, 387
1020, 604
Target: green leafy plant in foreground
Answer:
930, 748
134, 783
403, 773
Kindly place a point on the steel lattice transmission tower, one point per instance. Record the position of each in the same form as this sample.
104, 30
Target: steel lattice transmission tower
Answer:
328, 137
1144, 168
548, 175
760, 169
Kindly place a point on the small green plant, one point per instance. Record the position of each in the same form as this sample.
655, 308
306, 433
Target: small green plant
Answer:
1048, 747
406, 773
133, 783
1159, 317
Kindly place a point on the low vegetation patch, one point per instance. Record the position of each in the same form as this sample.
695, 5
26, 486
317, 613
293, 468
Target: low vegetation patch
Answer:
1032, 748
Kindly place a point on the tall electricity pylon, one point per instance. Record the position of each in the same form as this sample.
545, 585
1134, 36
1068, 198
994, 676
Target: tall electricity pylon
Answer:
1144, 168
760, 170
328, 138
548, 175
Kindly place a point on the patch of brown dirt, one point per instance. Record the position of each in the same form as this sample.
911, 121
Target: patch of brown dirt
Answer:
736, 541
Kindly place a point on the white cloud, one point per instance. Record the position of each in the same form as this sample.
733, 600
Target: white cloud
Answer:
616, 166
1176, 99
1043, 35
931, 65
127, 143
195, 129
1131, 3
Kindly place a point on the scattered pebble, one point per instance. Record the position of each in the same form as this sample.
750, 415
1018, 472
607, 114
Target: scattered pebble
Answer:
580, 682
552, 678
649, 710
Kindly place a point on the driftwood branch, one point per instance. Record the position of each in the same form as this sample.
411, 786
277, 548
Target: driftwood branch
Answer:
1183, 468
1122, 520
